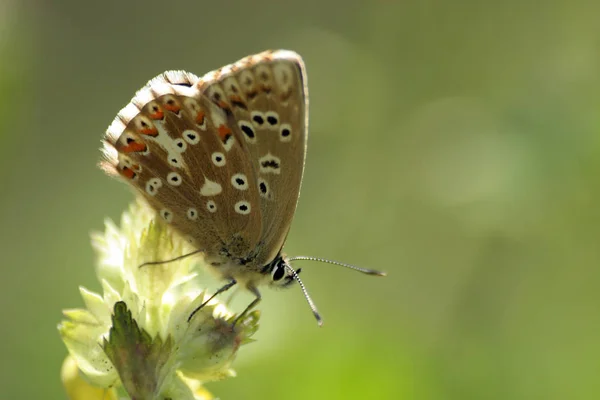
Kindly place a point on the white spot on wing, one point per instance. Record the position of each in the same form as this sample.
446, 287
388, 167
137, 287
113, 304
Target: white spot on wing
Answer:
229, 84
272, 120
218, 158
180, 145
264, 190
210, 188
246, 80
192, 214
262, 71
217, 116
242, 207
229, 143
211, 206
283, 76
269, 164
285, 132
153, 185
258, 118
167, 215
239, 181
165, 141
175, 160
191, 136
247, 131
174, 178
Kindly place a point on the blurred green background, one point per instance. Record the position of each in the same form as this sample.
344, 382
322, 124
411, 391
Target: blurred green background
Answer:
454, 144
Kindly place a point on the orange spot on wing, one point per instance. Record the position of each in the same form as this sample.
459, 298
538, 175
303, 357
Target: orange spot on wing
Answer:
223, 104
127, 173
200, 117
237, 101
150, 131
173, 107
134, 147
224, 132
157, 115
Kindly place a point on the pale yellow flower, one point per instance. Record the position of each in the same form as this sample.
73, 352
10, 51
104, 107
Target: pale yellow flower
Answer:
135, 337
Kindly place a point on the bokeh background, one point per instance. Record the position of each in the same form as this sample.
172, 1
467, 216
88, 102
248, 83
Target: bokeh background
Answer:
454, 144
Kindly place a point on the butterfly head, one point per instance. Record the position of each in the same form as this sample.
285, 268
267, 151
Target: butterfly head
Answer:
281, 272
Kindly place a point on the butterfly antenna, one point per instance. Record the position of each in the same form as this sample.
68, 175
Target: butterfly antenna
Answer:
312, 305
341, 264
170, 260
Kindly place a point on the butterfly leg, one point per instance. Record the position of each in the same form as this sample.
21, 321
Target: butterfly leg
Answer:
251, 305
224, 288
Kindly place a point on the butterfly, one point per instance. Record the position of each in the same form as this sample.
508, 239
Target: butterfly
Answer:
221, 159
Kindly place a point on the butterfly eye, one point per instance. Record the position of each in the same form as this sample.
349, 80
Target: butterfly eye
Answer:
277, 273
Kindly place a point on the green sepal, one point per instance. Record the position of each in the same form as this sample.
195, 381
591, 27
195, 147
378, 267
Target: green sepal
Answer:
137, 357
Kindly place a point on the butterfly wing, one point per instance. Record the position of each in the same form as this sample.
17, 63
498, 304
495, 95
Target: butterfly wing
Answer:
177, 149
265, 97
